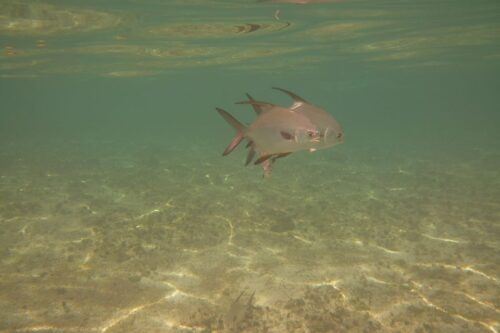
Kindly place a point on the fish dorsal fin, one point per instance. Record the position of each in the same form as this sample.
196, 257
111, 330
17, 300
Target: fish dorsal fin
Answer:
263, 106
256, 108
297, 100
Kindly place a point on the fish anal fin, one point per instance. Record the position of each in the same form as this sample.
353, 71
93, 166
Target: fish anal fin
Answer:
282, 155
250, 156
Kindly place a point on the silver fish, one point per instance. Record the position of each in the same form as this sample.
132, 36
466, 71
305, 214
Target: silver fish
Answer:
278, 131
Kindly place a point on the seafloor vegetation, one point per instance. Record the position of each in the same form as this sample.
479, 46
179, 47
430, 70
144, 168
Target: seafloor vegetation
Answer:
143, 238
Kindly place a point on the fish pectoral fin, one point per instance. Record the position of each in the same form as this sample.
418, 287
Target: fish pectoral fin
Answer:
287, 136
262, 158
262, 106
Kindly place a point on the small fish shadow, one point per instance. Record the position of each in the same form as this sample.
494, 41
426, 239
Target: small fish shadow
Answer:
239, 314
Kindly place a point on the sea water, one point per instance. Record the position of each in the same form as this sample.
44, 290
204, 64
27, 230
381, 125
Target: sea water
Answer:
118, 212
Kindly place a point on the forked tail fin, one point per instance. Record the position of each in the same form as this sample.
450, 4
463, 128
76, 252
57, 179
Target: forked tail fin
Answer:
239, 127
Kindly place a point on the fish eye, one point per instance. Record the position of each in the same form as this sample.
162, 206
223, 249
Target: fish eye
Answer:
339, 136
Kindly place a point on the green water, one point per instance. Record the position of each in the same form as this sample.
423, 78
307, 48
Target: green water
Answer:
119, 214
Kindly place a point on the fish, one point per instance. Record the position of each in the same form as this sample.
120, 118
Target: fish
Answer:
280, 131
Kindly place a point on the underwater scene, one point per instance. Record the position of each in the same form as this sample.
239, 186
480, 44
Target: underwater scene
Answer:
360, 191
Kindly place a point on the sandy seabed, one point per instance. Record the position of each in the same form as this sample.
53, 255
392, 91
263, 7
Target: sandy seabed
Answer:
106, 237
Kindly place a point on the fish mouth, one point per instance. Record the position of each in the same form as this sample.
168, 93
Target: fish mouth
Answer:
340, 137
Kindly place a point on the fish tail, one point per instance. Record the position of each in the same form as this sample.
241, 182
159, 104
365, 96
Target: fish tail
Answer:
239, 127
